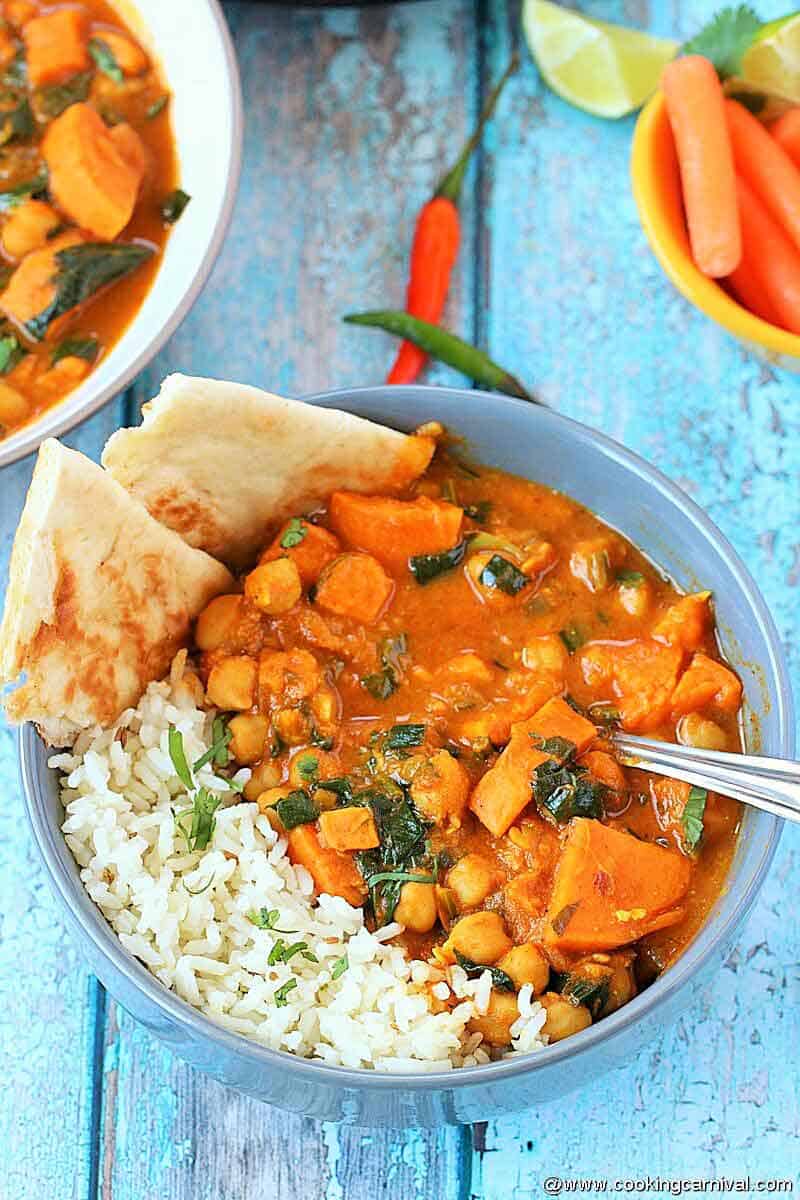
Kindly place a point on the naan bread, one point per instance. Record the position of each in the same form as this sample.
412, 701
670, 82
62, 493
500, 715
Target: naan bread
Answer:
100, 597
221, 462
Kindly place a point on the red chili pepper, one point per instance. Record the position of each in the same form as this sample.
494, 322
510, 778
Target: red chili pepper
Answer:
435, 246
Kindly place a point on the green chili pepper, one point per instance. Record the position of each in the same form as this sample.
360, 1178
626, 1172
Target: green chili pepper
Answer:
446, 347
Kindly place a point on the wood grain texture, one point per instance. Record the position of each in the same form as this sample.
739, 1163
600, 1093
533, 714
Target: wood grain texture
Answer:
350, 118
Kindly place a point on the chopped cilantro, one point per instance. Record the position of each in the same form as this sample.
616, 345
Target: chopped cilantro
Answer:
293, 534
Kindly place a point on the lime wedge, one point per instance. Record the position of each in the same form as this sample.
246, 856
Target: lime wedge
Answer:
604, 69
772, 63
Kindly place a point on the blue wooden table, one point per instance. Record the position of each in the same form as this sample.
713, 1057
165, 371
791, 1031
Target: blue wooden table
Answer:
350, 117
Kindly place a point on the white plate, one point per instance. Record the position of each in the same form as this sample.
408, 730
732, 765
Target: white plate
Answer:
191, 40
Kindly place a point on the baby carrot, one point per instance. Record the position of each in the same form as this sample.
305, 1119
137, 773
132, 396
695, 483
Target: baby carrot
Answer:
696, 110
749, 292
770, 257
786, 131
766, 167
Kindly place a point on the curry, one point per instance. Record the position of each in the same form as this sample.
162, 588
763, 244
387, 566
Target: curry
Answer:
87, 194
424, 689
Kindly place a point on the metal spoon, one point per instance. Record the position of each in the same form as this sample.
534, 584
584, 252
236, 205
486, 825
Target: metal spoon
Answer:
771, 784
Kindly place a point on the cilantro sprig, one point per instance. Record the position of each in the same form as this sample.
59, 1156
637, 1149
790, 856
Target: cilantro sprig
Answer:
726, 38
197, 821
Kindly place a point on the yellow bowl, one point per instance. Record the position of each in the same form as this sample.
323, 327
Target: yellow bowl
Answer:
657, 191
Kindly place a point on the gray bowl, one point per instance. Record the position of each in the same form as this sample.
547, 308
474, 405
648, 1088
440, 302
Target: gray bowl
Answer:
661, 520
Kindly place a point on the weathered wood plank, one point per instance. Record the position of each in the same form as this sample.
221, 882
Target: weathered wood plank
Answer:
351, 118
577, 306
48, 1003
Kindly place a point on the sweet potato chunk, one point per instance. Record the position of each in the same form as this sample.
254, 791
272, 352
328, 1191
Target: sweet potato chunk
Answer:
349, 829
130, 146
310, 547
55, 46
354, 585
27, 227
31, 289
605, 768
91, 179
610, 889
395, 530
558, 719
505, 789
686, 622
706, 681
640, 676
333, 871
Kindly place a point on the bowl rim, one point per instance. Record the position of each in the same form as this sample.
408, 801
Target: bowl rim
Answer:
87, 918
50, 423
705, 294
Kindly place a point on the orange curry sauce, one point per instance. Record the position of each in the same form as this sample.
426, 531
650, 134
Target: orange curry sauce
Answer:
546, 624
87, 159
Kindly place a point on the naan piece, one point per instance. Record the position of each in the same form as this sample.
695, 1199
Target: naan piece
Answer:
222, 463
100, 598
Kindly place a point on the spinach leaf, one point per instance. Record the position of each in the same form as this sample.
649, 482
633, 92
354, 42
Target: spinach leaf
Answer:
296, 809
501, 574
82, 271
382, 684
478, 512
76, 347
172, 208
52, 101
562, 789
634, 578
15, 75
692, 816
557, 747
11, 352
157, 107
105, 59
402, 835
342, 788
16, 121
403, 737
295, 532
473, 969
425, 567
12, 197
572, 637
579, 989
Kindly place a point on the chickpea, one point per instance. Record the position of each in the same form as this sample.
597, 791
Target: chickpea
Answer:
416, 908
546, 655
480, 936
248, 736
694, 730
265, 776
472, 878
217, 622
495, 1024
440, 789
292, 726
271, 796
526, 964
275, 586
621, 988
14, 407
563, 1018
232, 683
310, 765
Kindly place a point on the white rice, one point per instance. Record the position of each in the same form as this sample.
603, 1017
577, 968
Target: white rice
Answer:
120, 792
